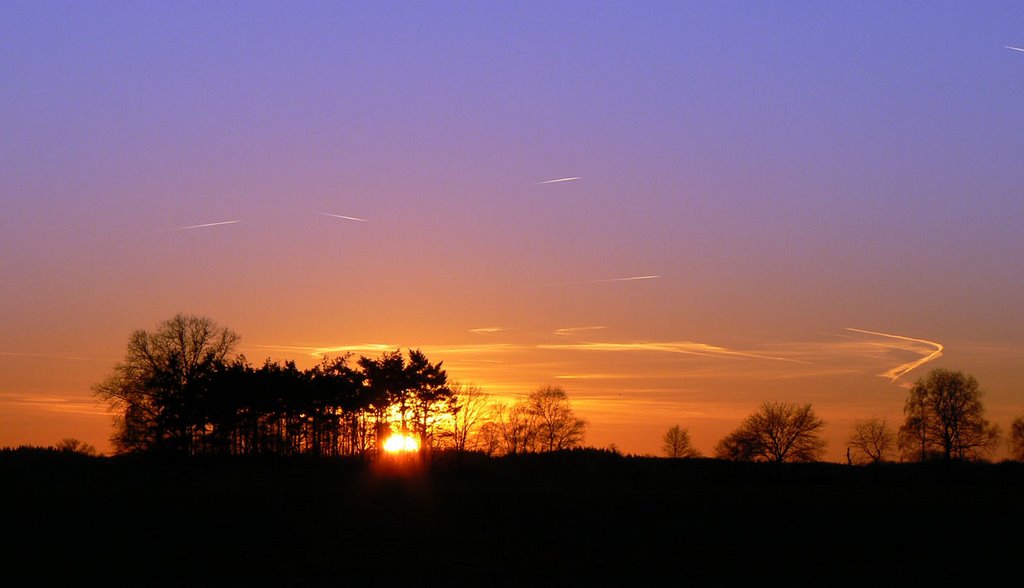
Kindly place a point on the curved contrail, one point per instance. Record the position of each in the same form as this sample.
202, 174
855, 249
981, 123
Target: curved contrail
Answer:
900, 370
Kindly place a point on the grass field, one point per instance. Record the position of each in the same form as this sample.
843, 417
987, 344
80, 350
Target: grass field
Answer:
573, 519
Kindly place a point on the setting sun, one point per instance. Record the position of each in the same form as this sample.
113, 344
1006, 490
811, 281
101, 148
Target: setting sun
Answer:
399, 443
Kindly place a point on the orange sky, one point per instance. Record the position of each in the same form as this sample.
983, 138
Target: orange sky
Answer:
788, 172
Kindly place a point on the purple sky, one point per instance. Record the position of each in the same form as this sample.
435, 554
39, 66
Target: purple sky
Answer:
787, 170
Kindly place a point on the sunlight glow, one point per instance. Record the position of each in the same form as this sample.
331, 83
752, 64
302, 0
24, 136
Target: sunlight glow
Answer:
399, 443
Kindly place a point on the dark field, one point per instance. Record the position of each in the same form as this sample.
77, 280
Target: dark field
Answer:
580, 518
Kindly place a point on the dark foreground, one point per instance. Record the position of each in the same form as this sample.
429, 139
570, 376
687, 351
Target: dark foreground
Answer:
582, 518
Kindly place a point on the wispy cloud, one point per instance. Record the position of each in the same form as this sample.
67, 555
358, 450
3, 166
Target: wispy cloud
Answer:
559, 180
341, 216
377, 348
1012, 47
485, 330
607, 280
321, 351
205, 225
51, 356
57, 404
683, 347
573, 330
594, 376
929, 350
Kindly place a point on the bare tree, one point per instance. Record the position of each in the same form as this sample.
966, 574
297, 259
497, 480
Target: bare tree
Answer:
871, 440
471, 409
944, 418
557, 426
543, 421
1016, 439
70, 445
777, 432
676, 443
515, 428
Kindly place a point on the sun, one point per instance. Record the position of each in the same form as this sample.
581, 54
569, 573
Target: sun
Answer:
399, 443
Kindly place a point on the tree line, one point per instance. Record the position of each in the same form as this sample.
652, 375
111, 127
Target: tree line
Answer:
181, 390
943, 420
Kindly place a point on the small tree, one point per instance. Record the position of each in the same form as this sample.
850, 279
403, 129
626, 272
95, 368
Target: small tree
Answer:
871, 440
676, 443
514, 428
469, 411
1017, 439
777, 432
70, 445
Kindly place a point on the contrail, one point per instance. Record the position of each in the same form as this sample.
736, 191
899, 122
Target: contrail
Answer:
902, 369
1014, 48
202, 226
560, 180
634, 278
351, 218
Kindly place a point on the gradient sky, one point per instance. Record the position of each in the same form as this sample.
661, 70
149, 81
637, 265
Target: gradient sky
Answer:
789, 171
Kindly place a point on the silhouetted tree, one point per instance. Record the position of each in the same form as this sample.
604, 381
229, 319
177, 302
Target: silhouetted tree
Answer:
431, 395
543, 421
912, 438
469, 412
70, 445
156, 391
1017, 439
871, 440
514, 428
777, 432
557, 426
388, 387
944, 417
676, 443
179, 391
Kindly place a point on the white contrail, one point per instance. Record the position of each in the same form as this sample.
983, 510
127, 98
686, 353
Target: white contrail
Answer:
351, 218
902, 369
560, 180
631, 279
202, 226
1014, 48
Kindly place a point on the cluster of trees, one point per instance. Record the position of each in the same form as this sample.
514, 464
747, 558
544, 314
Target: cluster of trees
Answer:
543, 421
944, 419
181, 390
66, 446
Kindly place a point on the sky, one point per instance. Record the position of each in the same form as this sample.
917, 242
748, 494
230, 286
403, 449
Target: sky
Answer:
788, 201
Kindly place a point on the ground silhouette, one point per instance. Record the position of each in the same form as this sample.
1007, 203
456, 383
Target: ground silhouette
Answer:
564, 518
